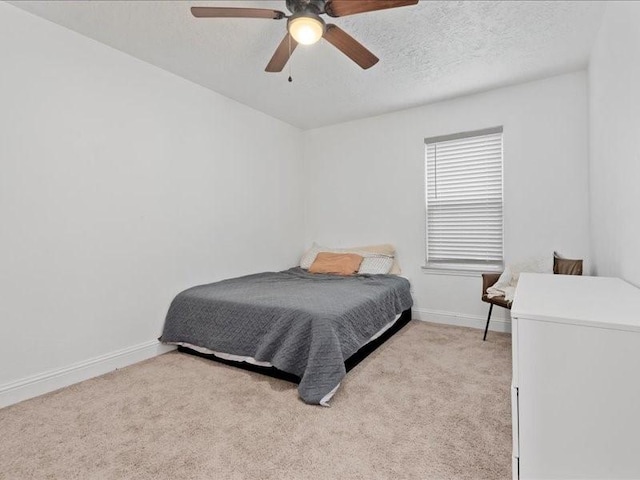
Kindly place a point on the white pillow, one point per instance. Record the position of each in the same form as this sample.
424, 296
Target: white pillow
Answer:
310, 255
543, 264
372, 263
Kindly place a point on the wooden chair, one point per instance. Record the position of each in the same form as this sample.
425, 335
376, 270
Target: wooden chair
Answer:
561, 266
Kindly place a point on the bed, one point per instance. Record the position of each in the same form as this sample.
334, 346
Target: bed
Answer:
312, 327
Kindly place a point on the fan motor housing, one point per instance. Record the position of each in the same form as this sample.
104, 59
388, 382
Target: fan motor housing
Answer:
306, 6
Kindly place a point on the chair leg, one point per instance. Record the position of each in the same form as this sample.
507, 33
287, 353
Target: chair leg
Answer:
488, 319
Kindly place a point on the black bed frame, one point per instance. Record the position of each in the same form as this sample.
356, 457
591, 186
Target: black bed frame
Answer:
349, 363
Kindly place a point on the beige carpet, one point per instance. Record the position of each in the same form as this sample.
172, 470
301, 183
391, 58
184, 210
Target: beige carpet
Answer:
431, 403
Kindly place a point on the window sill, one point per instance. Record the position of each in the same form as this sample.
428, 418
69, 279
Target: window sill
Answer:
461, 271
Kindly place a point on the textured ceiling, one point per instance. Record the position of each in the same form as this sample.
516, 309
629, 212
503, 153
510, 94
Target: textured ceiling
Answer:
428, 52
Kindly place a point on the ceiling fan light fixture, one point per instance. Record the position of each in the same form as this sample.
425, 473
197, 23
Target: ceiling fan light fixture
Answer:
307, 28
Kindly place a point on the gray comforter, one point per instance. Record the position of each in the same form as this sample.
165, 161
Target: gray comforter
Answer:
304, 324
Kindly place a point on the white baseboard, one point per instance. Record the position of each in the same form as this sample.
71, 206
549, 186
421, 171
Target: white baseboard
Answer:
39, 384
497, 323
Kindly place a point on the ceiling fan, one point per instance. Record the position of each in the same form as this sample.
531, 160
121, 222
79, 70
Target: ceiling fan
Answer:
306, 26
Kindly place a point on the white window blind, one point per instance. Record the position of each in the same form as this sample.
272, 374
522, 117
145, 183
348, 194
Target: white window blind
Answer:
464, 200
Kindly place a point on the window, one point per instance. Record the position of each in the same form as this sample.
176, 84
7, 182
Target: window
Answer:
464, 201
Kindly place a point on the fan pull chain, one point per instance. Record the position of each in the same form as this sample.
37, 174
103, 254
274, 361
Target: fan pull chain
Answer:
289, 62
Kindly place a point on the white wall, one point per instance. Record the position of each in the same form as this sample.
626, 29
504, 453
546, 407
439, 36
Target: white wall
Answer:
365, 183
120, 185
614, 93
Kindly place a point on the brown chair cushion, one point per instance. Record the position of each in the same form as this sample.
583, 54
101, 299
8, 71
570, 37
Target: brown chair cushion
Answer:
489, 280
500, 301
566, 266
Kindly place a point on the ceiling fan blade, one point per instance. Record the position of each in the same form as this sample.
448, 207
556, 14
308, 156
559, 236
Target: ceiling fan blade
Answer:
221, 12
283, 52
349, 46
341, 8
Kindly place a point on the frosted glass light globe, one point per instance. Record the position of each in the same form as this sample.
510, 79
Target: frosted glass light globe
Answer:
306, 30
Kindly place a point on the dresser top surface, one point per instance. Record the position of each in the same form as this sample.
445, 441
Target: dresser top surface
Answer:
603, 302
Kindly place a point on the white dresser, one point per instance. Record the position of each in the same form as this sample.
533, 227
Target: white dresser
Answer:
576, 378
